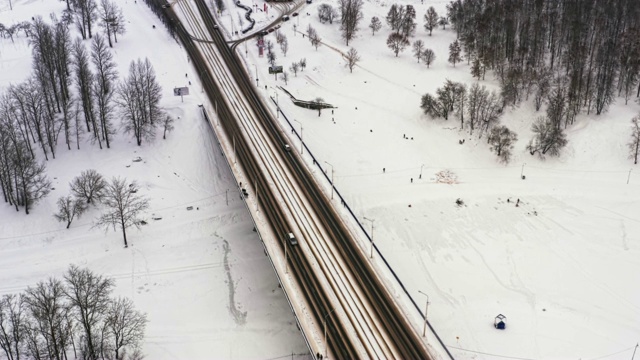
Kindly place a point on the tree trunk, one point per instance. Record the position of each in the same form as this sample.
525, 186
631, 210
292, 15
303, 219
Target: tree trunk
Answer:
124, 233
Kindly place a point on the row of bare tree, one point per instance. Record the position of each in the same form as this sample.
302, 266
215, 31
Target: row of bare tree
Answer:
481, 109
592, 46
121, 203
35, 113
73, 317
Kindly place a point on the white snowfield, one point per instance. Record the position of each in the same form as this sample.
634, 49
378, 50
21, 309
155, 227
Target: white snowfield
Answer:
563, 266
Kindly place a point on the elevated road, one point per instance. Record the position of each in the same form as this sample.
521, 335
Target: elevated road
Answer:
339, 286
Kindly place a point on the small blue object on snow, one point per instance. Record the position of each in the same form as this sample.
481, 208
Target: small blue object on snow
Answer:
499, 322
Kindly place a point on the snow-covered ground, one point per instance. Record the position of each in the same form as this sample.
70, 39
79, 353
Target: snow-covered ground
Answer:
563, 266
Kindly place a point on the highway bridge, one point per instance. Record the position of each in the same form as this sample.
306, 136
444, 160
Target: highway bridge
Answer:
341, 304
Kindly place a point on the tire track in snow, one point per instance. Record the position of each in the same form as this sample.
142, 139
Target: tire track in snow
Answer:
238, 316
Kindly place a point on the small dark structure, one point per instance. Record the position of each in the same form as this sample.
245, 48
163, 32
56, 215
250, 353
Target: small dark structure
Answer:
499, 322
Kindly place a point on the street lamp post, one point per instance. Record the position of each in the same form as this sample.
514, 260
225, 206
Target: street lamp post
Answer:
421, 166
424, 329
331, 178
286, 264
372, 220
256, 66
301, 138
324, 322
277, 102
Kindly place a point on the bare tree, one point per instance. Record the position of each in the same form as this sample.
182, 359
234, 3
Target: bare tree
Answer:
88, 294
634, 144
46, 306
351, 14
284, 45
111, 19
125, 325
430, 106
68, 208
123, 206
375, 25
310, 32
33, 108
548, 138
269, 46
84, 78
501, 140
139, 98
443, 21
285, 77
295, 67
77, 123
543, 86
32, 183
418, 48
103, 87
326, 13
303, 64
447, 96
353, 58
12, 322
85, 15
477, 68
167, 125
315, 39
44, 64
397, 42
89, 186
394, 17
428, 56
271, 58
460, 94
455, 55
408, 23
430, 19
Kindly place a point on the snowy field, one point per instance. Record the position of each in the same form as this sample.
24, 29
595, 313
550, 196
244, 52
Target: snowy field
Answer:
563, 266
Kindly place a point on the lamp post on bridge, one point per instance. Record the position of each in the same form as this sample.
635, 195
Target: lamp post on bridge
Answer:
372, 220
301, 138
324, 322
256, 67
424, 329
326, 162
277, 102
